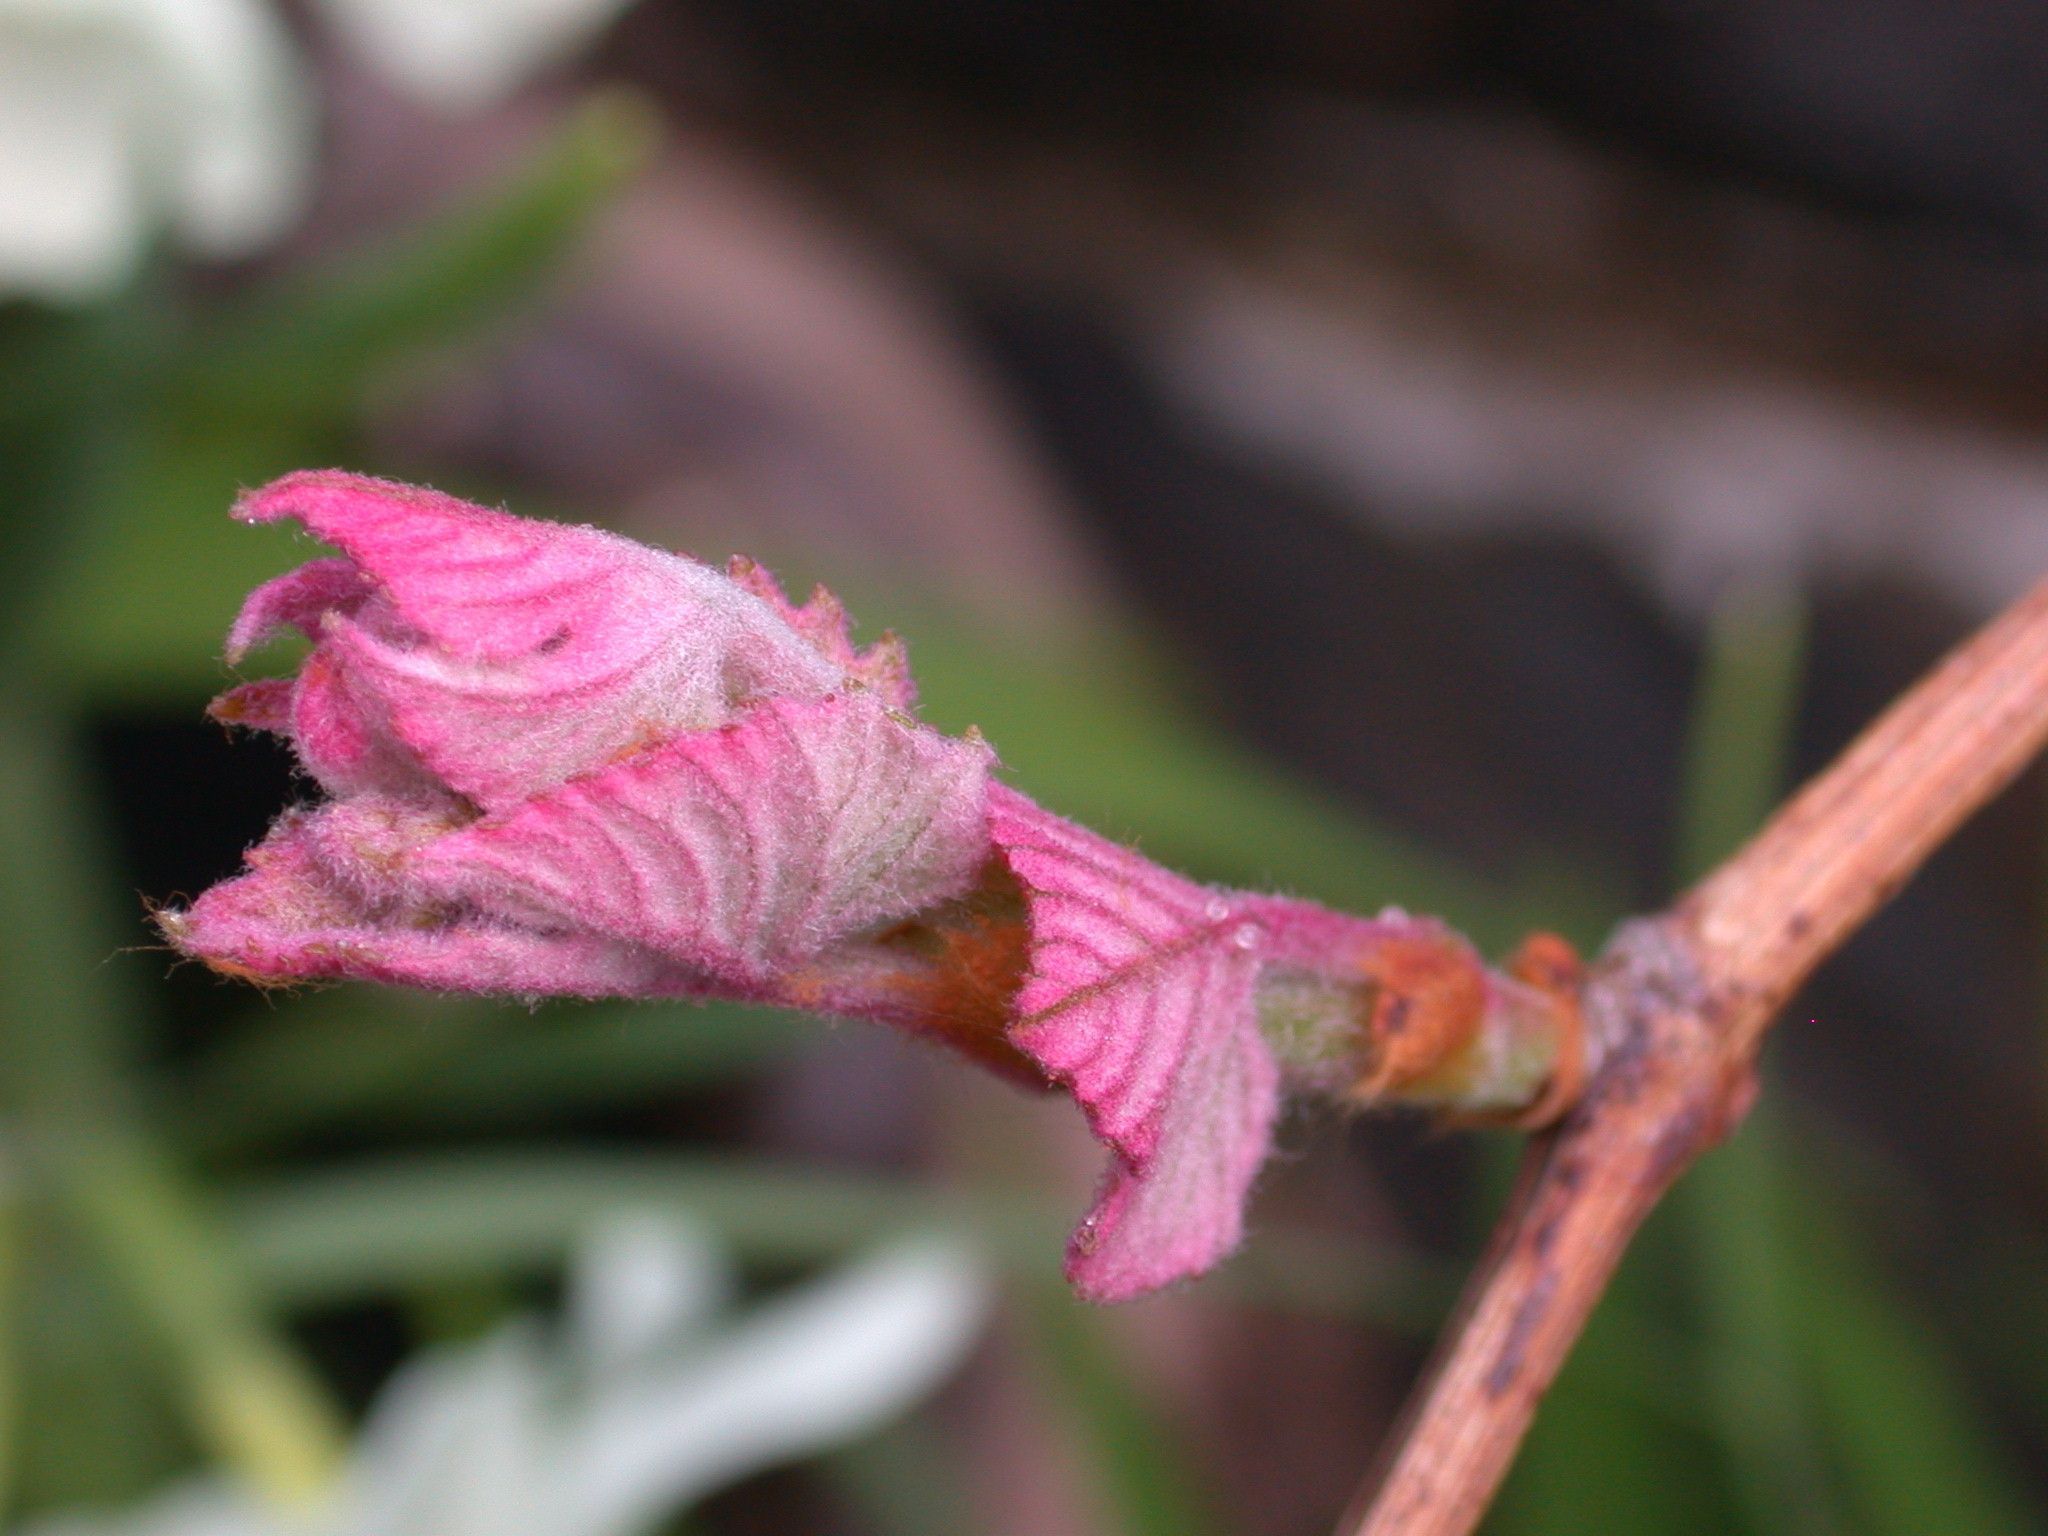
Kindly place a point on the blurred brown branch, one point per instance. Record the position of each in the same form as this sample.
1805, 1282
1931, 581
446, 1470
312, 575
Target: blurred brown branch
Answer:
1678, 1007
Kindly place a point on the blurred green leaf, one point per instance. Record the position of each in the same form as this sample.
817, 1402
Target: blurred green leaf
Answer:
313, 344
151, 569
69, 398
13, 1260
321, 1059
460, 1308
1756, 1380
1597, 1463
249, 1396
384, 1226
1915, 1449
903, 1480
2002, 1296
1624, 1442
63, 1035
391, 1224
98, 1425
1148, 1478
389, 1059
1733, 1202
1739, 744
153, 572
66, 1087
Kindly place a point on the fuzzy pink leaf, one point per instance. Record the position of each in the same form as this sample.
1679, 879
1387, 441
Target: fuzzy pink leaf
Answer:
562, 763
343, 733
298, 600
1139, 999
264, 705
508, 654
745, 850
295, 916
882, 667
1181, 1210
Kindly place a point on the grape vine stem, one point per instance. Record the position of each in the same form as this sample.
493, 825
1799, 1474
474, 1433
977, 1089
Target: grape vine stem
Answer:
1677, 1008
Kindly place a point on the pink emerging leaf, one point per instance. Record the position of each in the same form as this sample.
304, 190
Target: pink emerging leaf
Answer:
302, 914
744, 851
1139, 999
506, 655
561, 762
556, 762
301, 600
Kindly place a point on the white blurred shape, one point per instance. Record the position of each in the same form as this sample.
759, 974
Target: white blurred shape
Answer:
806, 1370
467, 54
457, 1446
244, 123
639, 1408
120, 117
639, 1283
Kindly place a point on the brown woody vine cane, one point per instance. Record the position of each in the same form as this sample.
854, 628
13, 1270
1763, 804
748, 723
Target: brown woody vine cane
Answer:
1676, 1010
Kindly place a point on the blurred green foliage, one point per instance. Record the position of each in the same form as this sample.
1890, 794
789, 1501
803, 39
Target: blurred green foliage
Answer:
1754, 1371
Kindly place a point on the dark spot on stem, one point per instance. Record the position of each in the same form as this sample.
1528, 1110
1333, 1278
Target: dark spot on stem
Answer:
1509, 1367
1568, 1172
1687, 1134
